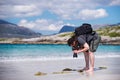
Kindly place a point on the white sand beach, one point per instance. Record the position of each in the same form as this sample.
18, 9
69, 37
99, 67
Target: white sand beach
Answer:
51, 69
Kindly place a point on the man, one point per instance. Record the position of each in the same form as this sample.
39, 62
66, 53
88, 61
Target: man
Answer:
82, 44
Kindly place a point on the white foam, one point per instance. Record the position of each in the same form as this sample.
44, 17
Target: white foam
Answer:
3, 59
107, 56
51, 58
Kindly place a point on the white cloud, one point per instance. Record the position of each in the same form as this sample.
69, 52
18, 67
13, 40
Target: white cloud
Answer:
42, 24
26, 10
115, 2
64, 9
92, 14
102, 3
52, 27
25, 23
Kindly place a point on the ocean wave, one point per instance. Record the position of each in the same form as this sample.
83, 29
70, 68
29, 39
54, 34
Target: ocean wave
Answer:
107, 56
51, 58
2, 59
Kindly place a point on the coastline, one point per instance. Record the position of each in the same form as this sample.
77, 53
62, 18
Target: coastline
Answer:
51, 70
105, 40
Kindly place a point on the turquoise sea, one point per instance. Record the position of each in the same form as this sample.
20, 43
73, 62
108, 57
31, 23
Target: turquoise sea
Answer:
23, 52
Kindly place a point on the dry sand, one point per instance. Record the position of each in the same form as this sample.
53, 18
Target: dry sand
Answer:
52, 70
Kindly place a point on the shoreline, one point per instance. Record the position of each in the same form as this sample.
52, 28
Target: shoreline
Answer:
59, 43
51, 59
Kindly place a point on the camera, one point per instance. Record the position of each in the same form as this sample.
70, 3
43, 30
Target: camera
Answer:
75, 55
75, 48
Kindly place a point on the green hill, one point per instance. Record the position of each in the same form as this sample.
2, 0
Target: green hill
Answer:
112, 31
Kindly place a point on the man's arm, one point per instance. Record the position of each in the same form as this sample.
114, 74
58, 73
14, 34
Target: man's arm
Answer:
86, 47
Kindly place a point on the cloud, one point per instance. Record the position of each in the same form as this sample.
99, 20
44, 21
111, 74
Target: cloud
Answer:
115, 2
26, 10
19, 11
65, 9
52, 27
107, 2
88, 14
41, 24
25, 23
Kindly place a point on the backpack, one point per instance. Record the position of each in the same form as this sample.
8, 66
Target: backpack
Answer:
87, 29
95, 41
84, 29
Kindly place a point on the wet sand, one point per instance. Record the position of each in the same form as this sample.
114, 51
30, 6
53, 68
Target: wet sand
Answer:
52, 70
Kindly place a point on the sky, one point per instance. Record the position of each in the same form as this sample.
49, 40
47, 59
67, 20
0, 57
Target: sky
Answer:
49, 16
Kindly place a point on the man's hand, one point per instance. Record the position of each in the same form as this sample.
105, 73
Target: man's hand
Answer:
76, 51
86, 47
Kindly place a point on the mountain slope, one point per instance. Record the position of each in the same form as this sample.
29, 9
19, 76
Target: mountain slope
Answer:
10, 30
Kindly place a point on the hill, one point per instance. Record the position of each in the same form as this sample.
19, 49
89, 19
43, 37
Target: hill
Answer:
10, 30
111, 31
